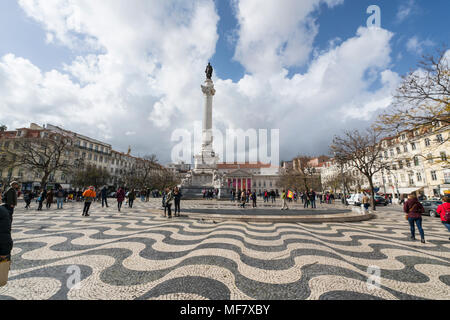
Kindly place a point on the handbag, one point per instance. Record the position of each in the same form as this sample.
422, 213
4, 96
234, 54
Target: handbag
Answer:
5, 265
406, 215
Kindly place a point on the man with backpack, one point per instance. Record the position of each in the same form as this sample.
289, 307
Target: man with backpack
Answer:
444, 212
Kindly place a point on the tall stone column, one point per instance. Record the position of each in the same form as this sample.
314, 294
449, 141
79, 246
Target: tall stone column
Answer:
207, 136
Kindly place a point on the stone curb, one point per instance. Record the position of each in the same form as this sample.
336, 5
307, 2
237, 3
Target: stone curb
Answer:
350, 217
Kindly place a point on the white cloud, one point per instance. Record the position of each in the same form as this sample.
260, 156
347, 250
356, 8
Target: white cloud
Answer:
276, 34
145, 80
416, 46
406, 9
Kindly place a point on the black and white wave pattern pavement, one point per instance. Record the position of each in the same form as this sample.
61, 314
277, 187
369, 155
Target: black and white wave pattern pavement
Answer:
137, 254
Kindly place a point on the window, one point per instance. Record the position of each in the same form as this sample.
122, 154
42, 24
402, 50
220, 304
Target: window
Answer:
419, 176
90, 156
394, 167
84, 144
447, 177
392, 152
403, 136
386, 155
416, 161
96, 148
443, 156
408, 164
411, 178
405, 148
398, 150
427, 142
413, 145
91, 146
433, 175
95, 158
439, 138
400, 164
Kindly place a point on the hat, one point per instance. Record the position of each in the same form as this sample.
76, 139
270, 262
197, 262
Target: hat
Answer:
13, 183
91, 187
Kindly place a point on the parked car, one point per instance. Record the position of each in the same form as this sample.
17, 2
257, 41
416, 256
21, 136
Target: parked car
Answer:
430, 207
112, 195
355, 199
381, 201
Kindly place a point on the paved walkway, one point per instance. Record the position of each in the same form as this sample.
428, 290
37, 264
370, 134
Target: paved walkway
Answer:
137, 254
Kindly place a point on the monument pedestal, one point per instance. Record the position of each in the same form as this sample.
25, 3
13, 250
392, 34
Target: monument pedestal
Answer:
204, 176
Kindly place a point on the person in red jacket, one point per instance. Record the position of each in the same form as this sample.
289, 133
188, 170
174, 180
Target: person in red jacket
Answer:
414, 209
120, 197
444, 212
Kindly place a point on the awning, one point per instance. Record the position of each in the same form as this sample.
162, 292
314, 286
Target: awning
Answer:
408, 190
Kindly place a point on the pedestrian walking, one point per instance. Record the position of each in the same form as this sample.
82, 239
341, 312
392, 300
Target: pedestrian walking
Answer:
254, 198
27, 197
104, 194
177, 198
59, 198
41, 199
6, 244
366, 202
444, 212
169, 200
312, 199
414, 209
243, 198
306, 199
283, 200
49, 199
89, 196
131, 198
120, 197
9, 198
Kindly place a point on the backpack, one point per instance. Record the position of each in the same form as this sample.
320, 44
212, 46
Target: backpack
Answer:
447, 215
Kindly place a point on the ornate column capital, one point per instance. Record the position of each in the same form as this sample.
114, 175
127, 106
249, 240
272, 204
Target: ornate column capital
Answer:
208, 89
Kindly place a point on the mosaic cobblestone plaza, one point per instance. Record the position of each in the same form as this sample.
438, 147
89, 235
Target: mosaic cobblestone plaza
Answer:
139, 254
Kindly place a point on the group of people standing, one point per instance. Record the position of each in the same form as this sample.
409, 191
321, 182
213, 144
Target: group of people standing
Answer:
171, 196
413, 213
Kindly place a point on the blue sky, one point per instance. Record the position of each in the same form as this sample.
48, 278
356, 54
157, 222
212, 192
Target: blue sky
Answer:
256, 80
428, 20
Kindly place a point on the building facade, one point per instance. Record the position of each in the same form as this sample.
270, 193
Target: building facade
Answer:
87, 150
414, 161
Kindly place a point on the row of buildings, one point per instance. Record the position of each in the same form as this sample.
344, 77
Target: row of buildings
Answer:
90, 151
414, 161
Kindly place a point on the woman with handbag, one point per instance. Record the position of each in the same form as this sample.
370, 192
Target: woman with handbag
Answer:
413, 210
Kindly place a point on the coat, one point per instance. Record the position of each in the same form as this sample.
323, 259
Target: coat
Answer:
413, 208
120, 195
89, 195
50, 197
10, 197
445, 207
6, 242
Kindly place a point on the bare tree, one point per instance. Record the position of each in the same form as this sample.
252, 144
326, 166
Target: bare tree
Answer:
422, 99
44, 155
303, 176
90, 176
363, 152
